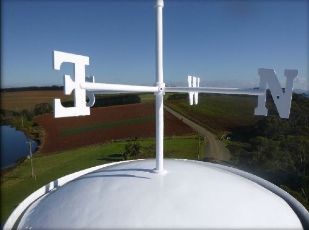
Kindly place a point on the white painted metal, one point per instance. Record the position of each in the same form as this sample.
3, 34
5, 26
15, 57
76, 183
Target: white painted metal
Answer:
159, 41
79, 62
215, 90
159, 130
160, 84
193, 82
197, 83
190, 93
281, 100
118, 87
129, 195
89, 94
105, 92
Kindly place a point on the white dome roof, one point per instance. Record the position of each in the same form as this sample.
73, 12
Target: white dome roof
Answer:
190, 194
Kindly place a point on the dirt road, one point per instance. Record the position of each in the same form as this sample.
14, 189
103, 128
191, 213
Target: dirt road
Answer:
214, 148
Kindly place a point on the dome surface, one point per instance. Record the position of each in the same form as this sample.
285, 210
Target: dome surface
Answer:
189, 194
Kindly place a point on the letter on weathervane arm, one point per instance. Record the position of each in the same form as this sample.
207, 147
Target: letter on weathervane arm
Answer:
80, 107
281, 99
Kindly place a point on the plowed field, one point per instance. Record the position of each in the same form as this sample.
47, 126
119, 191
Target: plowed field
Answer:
106, 124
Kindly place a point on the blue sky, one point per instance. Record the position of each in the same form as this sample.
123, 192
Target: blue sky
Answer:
222, 42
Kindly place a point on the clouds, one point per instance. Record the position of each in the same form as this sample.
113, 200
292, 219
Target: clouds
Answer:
301, 83
231, 83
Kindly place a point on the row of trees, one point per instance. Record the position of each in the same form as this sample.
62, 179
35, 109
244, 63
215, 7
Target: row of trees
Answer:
32, 88
121, 99
178, 96
104, 101
43, 108
38, 109
278, 149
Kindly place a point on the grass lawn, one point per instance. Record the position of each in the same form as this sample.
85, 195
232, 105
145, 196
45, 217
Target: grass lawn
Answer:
18, 184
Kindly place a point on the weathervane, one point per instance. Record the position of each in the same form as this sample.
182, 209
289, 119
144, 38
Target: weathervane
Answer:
86, 86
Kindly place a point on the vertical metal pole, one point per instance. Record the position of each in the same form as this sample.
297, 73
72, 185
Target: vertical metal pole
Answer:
30, 145
199, 146
159, 82
159, 42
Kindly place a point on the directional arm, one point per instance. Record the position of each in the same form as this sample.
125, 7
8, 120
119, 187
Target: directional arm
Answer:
215, 90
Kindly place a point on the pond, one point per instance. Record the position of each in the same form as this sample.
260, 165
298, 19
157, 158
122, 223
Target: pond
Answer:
14, 146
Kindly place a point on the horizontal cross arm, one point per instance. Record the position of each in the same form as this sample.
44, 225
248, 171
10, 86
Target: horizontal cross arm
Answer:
105, 92
215, 90
103, 87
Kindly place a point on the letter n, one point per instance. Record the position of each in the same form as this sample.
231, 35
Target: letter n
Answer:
281, 99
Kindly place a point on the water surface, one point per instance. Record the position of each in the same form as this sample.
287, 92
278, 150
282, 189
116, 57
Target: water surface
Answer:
14, 145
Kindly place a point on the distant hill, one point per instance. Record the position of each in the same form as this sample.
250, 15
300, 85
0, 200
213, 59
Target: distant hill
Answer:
32, 88
301, 91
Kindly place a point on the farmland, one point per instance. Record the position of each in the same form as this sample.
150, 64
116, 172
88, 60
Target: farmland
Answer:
28, 99
219, 113
129, 121
106, 124
17, 101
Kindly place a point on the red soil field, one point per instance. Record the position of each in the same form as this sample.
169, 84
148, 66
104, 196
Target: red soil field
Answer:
55, 141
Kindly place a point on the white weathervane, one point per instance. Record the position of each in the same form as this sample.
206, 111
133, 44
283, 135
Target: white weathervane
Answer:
86, 86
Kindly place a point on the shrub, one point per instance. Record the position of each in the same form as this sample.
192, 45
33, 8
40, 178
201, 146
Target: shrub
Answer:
132, 148
42, 108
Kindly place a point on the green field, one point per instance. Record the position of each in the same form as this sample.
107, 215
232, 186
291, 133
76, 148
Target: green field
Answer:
150, 97
147, 97
219, 113
90, 128
18, 184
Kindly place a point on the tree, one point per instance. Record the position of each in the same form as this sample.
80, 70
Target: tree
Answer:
279, 149
272, 127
